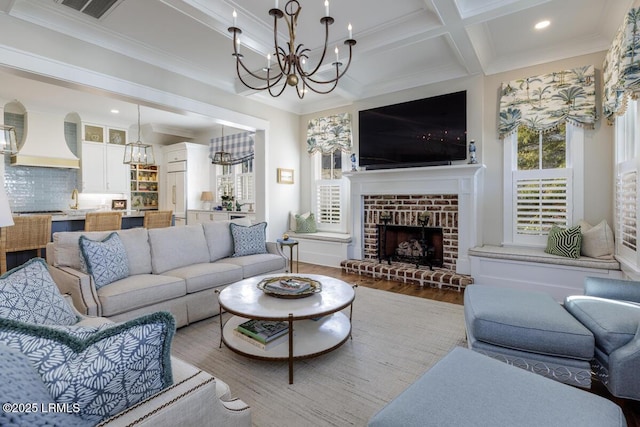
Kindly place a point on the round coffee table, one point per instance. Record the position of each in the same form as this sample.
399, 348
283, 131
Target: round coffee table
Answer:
316, 325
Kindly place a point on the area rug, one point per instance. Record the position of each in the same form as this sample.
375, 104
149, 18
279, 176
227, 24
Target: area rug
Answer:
395, 339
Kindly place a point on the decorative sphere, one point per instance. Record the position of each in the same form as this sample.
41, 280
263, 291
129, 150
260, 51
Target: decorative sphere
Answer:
292, 80
285, 236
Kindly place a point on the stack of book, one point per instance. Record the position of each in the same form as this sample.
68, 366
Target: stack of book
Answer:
263, 334
288, 286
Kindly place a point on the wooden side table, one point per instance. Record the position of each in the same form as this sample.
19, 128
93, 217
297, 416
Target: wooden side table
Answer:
291, 243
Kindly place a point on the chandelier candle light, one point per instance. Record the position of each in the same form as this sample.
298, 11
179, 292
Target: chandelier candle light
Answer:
292, 63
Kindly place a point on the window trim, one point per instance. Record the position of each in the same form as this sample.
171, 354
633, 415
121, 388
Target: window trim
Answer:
317, 181
574, 164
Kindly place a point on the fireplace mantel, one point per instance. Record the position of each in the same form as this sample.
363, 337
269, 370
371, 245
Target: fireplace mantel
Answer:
466, 181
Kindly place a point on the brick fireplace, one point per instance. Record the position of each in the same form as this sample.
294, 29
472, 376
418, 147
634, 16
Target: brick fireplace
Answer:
449, 194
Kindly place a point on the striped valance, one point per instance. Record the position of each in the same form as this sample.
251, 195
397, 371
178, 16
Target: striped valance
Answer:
328, 134
621, 69
544, 102
240, 145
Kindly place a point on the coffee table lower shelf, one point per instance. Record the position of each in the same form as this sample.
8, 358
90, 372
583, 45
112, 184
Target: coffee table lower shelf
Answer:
311, 338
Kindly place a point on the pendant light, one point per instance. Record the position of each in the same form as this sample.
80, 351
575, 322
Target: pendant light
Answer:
221, 157
137, 153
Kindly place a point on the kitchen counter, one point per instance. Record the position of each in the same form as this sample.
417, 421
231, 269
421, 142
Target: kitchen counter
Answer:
81, 216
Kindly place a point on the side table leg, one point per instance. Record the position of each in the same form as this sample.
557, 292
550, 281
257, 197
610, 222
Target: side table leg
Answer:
220, 318
290, 348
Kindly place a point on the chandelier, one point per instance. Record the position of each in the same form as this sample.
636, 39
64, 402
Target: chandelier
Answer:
291, 62
137, 153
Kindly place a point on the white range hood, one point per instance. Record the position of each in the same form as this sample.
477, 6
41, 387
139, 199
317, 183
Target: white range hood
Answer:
44, 143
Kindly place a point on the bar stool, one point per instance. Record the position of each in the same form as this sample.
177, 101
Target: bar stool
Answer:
103, 221
157, 219
27, 233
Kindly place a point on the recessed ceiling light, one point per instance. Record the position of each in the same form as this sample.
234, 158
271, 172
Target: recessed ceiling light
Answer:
114, 111
542, 24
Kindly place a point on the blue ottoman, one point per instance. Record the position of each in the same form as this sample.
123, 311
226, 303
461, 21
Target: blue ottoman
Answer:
529, 330
469, 389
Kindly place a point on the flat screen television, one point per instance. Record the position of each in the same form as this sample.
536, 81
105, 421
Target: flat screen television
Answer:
425, 132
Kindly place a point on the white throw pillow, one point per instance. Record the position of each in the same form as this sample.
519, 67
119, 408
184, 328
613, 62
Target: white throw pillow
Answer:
597, 241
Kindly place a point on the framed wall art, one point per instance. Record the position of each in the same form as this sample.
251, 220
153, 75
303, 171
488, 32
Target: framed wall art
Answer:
285, 176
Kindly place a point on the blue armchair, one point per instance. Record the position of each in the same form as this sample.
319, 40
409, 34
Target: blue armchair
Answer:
610, 309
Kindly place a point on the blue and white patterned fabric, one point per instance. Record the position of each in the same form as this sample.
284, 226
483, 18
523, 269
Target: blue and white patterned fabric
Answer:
21, 385
102, 370
29, 294
105, 260
249, 240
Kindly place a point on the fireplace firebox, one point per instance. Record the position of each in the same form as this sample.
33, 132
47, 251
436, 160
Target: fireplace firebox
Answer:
419, 245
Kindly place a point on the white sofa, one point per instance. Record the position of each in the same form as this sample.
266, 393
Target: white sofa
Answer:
175, 269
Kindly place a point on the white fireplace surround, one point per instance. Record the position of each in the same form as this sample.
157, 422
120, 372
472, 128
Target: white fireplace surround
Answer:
464, 180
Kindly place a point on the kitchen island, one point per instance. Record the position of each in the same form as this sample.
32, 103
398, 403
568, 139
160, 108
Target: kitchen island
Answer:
70, 222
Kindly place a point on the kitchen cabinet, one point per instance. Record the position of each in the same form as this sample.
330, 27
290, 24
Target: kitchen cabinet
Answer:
101, 165
102, 168
144, 187
187, 176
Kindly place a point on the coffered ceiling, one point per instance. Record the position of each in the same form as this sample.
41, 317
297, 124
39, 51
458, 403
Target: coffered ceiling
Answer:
400, 44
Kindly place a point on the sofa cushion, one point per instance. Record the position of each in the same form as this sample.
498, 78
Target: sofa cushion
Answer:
525, 320
613, 323
20, 384
102, 370
306, 224
106, 260
564, 241
66, 248
138, 291
249, 240
597, 241
255, 265
208, 275
174, 247
219, 240
29, 294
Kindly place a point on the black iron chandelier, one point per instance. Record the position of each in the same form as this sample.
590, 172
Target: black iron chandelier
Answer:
292, 68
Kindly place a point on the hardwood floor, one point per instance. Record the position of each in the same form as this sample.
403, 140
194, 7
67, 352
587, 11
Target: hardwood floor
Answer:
630, 408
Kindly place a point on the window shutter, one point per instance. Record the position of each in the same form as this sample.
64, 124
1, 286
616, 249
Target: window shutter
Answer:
627, 227
328, 204
540, 203
244, 186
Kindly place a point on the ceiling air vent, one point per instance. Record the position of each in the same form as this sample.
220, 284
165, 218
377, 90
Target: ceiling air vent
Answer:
93, 8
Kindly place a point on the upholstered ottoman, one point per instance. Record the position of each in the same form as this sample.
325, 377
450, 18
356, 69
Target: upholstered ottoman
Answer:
529, 330
469, 389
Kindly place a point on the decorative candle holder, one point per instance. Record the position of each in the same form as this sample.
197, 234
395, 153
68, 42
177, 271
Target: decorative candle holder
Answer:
472, 152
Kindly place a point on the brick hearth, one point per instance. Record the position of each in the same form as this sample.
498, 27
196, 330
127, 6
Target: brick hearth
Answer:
407, 273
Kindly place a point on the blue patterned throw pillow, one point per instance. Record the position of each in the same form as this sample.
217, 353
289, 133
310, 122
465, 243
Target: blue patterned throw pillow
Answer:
20, 384
29, 294
106, 260
103, 370
249, 240
564, 242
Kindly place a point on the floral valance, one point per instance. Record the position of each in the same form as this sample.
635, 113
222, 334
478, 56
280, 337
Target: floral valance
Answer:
544, 102
239, 145
622, 67
328, 134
